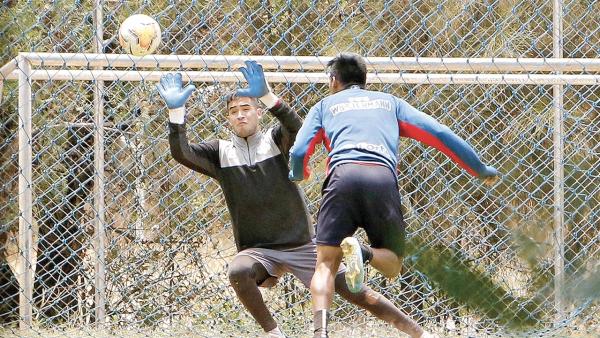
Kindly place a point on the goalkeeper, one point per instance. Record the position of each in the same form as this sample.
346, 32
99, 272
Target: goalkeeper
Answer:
271, 224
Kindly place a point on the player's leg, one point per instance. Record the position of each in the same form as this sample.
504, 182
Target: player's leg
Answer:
245, 275
386, 262
337, 219
322, 285
301, 263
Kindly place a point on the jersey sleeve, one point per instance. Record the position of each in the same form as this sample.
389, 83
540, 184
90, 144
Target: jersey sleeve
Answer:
289, 124
310, 134
202, 157
424, 128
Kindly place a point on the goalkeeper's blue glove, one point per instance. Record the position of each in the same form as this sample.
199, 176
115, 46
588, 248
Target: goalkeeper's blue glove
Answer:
257, 84
172, 91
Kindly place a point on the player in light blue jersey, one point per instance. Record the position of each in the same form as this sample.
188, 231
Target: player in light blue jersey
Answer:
361, 131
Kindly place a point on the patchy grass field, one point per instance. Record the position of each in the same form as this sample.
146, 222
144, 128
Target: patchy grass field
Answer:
371, 329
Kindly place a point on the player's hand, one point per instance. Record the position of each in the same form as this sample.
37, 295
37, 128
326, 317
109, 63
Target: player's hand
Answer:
172, 91
295, 176
296, 167
257, 84
255, 76
490, 176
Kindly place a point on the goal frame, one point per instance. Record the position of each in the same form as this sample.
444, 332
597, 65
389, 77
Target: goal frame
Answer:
28, 67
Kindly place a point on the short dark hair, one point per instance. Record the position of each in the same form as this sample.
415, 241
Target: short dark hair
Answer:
349, 69
232, 95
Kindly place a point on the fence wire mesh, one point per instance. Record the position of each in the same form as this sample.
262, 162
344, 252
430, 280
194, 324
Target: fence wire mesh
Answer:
481, 260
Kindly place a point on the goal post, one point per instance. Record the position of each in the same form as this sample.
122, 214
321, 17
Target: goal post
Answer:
30, 67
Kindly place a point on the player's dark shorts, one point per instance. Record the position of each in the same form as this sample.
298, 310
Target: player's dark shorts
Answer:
366, 196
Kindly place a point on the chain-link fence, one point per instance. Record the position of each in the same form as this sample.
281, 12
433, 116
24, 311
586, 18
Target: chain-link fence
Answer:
521, 256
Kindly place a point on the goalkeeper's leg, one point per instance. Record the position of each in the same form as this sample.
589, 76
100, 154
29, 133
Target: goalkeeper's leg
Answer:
245, 275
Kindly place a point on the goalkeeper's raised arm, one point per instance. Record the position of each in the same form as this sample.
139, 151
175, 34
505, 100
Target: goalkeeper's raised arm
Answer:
258, 87
202, 157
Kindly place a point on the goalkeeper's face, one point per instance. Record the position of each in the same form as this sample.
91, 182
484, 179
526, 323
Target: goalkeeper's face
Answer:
244, 115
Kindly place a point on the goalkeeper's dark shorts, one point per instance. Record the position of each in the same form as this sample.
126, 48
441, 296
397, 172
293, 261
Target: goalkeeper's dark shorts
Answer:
300, 262
362, 195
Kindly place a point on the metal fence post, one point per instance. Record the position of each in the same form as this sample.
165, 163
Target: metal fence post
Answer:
99, 231
557, 107
26, 266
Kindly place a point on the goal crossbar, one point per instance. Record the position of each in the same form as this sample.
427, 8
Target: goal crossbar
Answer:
298, 77
315, 62
305, 69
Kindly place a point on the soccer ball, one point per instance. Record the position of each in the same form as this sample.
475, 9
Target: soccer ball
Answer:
139, 35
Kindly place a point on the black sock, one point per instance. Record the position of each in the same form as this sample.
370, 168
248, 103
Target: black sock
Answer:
367, 253
321, 319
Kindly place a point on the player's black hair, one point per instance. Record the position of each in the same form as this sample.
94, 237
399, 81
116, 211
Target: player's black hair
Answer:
232, 95
349, 69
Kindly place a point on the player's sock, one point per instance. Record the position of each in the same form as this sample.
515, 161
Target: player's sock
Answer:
321, 320
353, 259
367, 253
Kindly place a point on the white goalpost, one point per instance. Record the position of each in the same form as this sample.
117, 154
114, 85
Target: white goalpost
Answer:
308, 69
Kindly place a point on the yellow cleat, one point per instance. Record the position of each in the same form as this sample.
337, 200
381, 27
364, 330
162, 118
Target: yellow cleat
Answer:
355, 272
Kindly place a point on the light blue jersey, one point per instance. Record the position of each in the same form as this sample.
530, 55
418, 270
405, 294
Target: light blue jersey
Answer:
358, 125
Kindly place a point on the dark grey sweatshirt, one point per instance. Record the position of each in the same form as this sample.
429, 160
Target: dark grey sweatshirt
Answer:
267, 209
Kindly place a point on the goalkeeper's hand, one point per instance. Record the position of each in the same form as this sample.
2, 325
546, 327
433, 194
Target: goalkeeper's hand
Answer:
172, 91
257, 84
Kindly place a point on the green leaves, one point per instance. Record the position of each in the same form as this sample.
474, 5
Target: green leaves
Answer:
452, 273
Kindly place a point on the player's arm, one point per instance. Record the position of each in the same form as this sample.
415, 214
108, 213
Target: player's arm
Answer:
289, 122
308, 137
201, 157
424, 128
